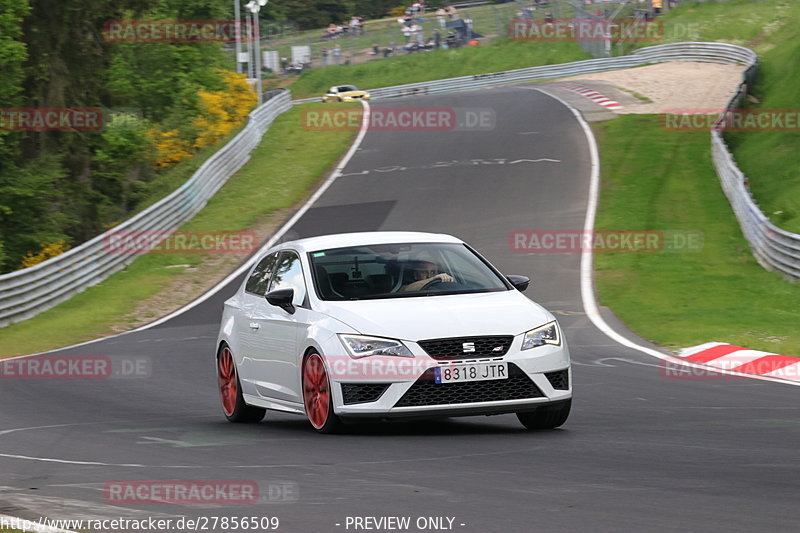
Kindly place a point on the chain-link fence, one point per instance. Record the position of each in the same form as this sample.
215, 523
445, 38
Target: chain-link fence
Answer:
476, 22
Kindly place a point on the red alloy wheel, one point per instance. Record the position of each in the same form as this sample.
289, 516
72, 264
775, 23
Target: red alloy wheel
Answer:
316, 391
226, 376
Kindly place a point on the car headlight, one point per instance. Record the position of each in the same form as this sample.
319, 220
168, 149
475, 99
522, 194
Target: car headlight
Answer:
361, 346
547, 334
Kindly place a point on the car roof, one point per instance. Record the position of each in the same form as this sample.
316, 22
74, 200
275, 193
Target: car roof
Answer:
342, 240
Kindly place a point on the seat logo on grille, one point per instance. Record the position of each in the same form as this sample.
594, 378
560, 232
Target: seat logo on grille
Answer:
498, 348
468, 347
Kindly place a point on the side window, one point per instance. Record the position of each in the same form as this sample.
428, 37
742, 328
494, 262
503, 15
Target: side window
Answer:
258, 282
289, 275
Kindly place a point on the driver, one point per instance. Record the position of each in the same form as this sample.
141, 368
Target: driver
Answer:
424, 272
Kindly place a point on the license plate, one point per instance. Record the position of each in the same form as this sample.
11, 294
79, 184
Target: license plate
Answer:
471, 372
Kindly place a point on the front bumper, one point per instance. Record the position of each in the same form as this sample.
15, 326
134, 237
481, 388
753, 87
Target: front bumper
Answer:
532, 370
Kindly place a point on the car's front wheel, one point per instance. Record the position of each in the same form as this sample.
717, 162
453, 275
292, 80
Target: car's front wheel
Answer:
547, 416
317, 396
230, 390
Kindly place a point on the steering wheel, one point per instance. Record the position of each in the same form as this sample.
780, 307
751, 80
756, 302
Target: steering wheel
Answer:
432, 282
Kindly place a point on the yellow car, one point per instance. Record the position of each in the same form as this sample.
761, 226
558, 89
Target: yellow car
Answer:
345, 93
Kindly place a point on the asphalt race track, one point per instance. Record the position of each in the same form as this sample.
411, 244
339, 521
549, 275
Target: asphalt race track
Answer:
640, 452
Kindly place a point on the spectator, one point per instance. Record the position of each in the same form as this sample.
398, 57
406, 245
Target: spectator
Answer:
452, 13
323, 52
374, 50
437, 39
416, 32
331, 31
337, 54
411, 47
548, 17
441, 15
467, 25
356, 25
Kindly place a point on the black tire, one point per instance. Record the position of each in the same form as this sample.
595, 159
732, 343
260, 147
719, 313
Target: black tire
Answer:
547, 416
318, 396
233, 406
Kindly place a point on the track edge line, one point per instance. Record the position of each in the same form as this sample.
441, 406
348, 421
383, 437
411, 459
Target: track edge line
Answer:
587, 262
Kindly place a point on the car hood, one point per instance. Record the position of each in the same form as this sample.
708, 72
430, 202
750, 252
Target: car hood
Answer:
432, 317
353, 93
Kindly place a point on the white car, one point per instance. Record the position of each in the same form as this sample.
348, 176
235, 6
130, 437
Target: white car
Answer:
388, 325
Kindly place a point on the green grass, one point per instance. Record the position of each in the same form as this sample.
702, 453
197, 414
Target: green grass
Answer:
657, 180
281, 171
502, 55
742, 22
771, 160
168, 180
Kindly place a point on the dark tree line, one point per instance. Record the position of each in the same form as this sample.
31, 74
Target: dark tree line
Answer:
72, 185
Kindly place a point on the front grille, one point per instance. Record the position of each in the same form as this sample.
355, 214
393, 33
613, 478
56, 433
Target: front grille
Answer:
559, 380
453, 348
362, 392
425, 391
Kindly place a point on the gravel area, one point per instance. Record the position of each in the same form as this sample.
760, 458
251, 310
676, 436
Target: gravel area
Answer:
674, 86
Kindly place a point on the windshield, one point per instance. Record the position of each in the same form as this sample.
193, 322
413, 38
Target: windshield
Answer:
400, 270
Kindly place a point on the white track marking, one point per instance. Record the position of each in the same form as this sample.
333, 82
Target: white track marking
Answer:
283, 229
587, 259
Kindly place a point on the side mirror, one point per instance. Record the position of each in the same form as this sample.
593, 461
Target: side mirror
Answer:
282, 298
519, 282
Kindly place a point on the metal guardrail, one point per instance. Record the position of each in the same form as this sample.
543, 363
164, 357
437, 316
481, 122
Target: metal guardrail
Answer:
705, 52
30, 291
774, 248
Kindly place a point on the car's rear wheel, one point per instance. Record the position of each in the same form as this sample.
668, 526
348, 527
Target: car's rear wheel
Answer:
317, 396
547, 416
230, 390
